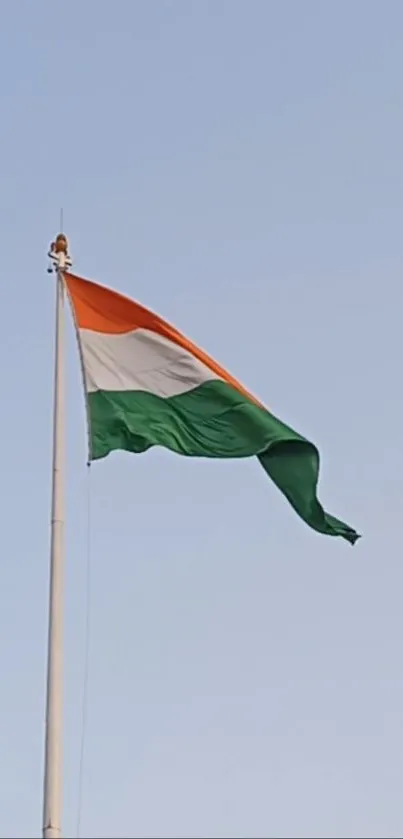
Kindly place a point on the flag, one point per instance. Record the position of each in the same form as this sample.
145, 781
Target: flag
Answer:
148, 385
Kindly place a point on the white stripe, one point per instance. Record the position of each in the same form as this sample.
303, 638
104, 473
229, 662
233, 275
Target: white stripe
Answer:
139, 360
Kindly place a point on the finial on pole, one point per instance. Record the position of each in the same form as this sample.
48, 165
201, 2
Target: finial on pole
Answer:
58, 254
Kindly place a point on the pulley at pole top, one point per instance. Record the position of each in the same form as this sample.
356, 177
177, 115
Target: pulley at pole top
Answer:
58, 254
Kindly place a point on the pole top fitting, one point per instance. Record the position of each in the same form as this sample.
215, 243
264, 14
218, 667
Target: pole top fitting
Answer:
59, 254
61, 244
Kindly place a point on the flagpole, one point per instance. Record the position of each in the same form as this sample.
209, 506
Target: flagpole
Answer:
52, 794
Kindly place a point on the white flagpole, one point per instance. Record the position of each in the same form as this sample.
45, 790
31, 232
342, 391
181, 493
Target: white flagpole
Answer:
52, 797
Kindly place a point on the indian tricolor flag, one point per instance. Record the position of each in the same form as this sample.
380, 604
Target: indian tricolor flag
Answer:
147, 385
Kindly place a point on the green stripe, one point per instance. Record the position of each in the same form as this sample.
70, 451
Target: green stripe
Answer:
214, 420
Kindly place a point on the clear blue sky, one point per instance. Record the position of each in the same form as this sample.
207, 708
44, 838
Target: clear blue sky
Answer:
238, 167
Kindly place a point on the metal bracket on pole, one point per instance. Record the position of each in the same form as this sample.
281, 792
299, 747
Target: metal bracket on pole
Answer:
58, 254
